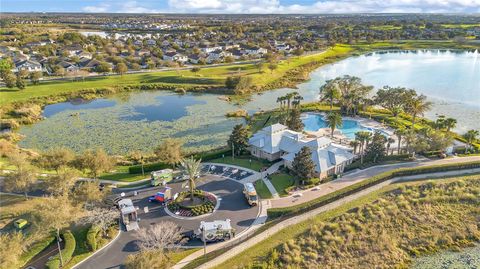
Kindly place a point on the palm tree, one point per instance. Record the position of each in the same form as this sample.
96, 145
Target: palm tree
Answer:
418, 106
450, 123
296, 100
191, 167
400, 132
333, 121
329, 92
470, 136
280, 101
389, 142
396, 111
363, 137
354, 144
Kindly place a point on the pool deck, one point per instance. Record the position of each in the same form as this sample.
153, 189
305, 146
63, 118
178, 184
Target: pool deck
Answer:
342, 139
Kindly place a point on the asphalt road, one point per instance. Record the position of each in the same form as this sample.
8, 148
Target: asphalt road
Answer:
232, 206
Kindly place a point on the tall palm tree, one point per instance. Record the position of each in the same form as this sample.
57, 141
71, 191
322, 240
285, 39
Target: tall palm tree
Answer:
296, 101
390, 141
354, 144
191, 167
333, 121
363, 137
329, 92
450, 123
418, 106
396, 111
470, 136
400, 132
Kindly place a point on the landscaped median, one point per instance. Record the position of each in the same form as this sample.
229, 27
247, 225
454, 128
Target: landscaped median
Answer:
326, 199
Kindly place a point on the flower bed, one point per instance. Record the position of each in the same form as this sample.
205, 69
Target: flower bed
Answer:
205, 204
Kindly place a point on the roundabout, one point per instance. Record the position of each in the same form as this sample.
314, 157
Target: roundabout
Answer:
222, 181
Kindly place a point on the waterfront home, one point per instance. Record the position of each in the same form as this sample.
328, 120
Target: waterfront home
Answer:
277, 142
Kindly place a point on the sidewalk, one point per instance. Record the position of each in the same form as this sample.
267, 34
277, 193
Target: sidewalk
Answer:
305, 216
355, 177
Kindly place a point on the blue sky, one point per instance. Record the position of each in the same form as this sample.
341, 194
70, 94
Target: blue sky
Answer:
242, 6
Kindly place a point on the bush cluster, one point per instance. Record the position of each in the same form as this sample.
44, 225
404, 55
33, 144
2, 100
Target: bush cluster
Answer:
207, 207
92, 237
67, 251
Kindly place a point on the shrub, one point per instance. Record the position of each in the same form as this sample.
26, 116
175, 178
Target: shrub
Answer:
137, 169
92, 237
67, 251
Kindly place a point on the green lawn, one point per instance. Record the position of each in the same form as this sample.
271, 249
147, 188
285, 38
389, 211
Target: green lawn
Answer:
262, 190
281, 181
255, 164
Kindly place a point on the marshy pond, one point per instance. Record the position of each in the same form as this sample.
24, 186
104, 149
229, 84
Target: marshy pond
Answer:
141, 120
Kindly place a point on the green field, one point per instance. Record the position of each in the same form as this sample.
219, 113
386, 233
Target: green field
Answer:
444, 206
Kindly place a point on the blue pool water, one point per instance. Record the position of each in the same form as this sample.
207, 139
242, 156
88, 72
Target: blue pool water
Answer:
314, 122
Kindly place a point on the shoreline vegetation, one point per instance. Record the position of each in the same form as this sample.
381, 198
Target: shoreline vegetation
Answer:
22, 107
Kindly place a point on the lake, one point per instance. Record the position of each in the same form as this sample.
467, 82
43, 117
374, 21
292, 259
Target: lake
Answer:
141, 120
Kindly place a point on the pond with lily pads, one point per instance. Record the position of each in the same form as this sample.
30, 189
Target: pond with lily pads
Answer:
141, 120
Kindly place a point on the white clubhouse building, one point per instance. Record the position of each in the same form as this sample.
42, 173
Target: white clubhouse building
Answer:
277, 142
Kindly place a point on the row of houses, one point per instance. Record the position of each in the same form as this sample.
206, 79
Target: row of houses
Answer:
216, 54
277, 142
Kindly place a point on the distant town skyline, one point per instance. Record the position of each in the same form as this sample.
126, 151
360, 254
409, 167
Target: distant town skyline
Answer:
243, 6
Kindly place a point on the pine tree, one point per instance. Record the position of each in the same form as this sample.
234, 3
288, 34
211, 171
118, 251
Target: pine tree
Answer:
239, 138
294, 122
302, 166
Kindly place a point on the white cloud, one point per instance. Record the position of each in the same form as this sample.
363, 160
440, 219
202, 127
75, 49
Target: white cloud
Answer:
135, 7
97, 9
325, 6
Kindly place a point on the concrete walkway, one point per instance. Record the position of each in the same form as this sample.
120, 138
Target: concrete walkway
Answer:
259, 221
310, 214
358, 176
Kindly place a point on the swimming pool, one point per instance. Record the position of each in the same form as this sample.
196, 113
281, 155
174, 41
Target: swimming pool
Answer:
314, 122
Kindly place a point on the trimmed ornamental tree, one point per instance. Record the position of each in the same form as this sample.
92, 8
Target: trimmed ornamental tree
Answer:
303, 167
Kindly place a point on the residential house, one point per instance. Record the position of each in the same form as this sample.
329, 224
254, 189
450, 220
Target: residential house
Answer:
195, 59
255, 50
217, 55
28, 65
68, 66
151, 42
277, 142
207, 49
175, 57
84, 54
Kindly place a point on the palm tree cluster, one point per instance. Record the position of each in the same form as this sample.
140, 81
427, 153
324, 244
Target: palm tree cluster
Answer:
290, 100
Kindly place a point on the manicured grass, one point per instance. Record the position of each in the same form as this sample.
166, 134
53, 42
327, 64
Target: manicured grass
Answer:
281, 181
262, 190
241, 161
179, 254
260, 251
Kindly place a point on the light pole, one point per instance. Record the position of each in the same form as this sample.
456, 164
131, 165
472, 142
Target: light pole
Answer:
204, 241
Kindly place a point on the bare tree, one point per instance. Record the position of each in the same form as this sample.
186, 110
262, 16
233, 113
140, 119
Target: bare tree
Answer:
162, 235
101, 217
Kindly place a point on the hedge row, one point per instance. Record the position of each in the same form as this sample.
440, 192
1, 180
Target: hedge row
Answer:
205, 156
92, 237
67, 251
331, 197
